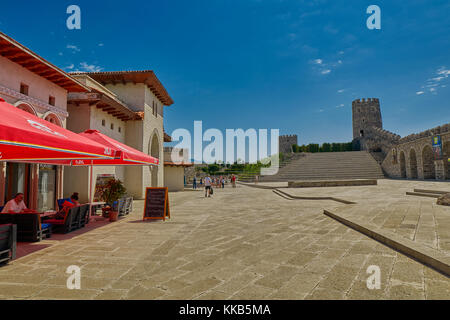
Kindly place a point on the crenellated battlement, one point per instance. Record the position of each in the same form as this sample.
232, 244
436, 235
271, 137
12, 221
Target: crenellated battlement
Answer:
364, 101
285, 136
427, 133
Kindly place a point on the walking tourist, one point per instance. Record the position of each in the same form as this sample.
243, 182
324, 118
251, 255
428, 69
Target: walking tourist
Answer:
194, 183
233, 181
15, 205
208, 186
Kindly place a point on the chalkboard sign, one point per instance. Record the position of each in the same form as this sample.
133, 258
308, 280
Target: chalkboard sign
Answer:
156, 204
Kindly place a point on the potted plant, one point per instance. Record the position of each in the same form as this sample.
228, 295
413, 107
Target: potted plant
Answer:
111, 192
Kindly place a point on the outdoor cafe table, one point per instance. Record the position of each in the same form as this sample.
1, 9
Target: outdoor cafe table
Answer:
95, 205
47, 214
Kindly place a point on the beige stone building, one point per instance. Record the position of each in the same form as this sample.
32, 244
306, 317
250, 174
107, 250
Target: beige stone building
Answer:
127, 106
33, 84
176, 160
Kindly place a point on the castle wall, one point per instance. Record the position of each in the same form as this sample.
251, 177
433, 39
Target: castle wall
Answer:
412, 157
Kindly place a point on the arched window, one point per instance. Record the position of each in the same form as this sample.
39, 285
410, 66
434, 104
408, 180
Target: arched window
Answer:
26, 107
52, 118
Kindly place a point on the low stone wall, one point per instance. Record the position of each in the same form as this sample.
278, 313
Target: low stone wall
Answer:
332, 183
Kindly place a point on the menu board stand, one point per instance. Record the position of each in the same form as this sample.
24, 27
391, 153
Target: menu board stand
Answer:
156, 204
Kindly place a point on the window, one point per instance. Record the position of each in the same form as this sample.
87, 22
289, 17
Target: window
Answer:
120, 129
24, 89
51, 100
103, 122
112, 126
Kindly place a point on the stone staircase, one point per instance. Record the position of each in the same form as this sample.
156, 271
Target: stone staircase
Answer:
288, 158
329, 166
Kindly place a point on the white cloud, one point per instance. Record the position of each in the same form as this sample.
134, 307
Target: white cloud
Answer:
74, 48
90, 67
433, 83
443, 71
85, 67
70, 67
341, 90
325, 68
100, 44
340, 106
437, 78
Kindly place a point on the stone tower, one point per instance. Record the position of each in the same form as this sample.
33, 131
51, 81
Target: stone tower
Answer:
366, 114
286, 142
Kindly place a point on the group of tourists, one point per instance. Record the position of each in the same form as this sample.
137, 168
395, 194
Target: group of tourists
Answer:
210, 182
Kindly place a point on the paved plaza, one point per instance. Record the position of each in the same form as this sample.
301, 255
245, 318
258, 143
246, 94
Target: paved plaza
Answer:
247, 243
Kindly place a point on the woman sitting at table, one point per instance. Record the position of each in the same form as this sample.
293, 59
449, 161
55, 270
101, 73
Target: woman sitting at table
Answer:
66, 206
74, 199
15, 205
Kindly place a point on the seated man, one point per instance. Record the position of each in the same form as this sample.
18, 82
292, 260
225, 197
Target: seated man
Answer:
15, 205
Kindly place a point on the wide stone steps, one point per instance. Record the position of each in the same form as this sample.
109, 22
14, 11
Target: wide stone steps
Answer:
330, 165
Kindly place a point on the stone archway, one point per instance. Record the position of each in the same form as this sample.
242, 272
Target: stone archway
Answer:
402, 165
412, 164
154, 151
429, 172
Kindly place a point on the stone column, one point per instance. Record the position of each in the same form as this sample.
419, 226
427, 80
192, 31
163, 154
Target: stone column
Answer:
439, 167
420, 174
34, 185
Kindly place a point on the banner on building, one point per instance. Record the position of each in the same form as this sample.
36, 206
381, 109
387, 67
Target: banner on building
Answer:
437, 147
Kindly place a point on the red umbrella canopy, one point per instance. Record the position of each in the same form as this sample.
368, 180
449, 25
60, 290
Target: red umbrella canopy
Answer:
24, 136
129, 156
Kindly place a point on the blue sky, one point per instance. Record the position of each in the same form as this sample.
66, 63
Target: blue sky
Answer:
293, 65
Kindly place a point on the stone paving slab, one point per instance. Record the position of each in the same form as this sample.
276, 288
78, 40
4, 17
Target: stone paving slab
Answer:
434, 258
243, 243
387, 207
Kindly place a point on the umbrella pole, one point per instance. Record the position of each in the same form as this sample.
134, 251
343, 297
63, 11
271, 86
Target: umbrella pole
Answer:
90, 191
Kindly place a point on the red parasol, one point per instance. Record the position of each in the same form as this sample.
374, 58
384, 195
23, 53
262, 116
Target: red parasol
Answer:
25, 137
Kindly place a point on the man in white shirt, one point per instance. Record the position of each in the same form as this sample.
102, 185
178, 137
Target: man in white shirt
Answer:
208, 186
15, 205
